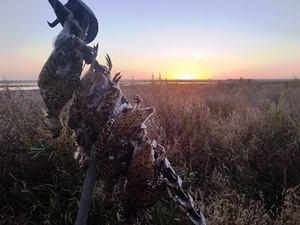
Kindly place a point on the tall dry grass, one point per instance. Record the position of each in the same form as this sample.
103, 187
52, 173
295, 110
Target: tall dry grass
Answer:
38, 180
236, 146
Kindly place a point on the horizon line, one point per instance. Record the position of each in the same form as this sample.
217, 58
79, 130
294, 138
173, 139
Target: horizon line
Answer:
166, 79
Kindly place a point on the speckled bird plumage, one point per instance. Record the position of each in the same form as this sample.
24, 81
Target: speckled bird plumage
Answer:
60, 75
145, 184
93, 103
114, 147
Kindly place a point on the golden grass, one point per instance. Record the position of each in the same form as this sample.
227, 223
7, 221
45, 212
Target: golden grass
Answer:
235, 145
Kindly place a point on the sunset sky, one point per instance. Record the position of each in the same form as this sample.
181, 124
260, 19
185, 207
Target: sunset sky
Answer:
196, 39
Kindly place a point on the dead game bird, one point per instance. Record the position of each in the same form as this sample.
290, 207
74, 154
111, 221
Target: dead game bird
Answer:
91, 107
60, 75
145, 184
114, 147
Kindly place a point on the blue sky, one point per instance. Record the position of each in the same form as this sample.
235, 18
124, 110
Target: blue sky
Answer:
179, 39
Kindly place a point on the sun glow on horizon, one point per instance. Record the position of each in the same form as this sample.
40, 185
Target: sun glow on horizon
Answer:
186, 76
186, 70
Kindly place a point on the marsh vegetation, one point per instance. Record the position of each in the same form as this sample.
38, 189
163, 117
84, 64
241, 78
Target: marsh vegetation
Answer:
235, 145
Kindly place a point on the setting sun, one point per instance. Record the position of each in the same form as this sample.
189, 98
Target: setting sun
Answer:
186, 70
187, 76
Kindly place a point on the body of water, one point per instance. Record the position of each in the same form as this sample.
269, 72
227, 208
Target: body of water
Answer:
32, 84
19, 85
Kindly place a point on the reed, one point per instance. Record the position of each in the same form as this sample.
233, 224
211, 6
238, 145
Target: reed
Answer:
236, 146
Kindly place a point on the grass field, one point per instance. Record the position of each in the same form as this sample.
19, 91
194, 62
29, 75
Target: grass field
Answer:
235, 145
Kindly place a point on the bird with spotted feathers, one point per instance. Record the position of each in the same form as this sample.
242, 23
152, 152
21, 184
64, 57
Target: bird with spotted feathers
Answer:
91, 107
114, 146
145, 183
60, 75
